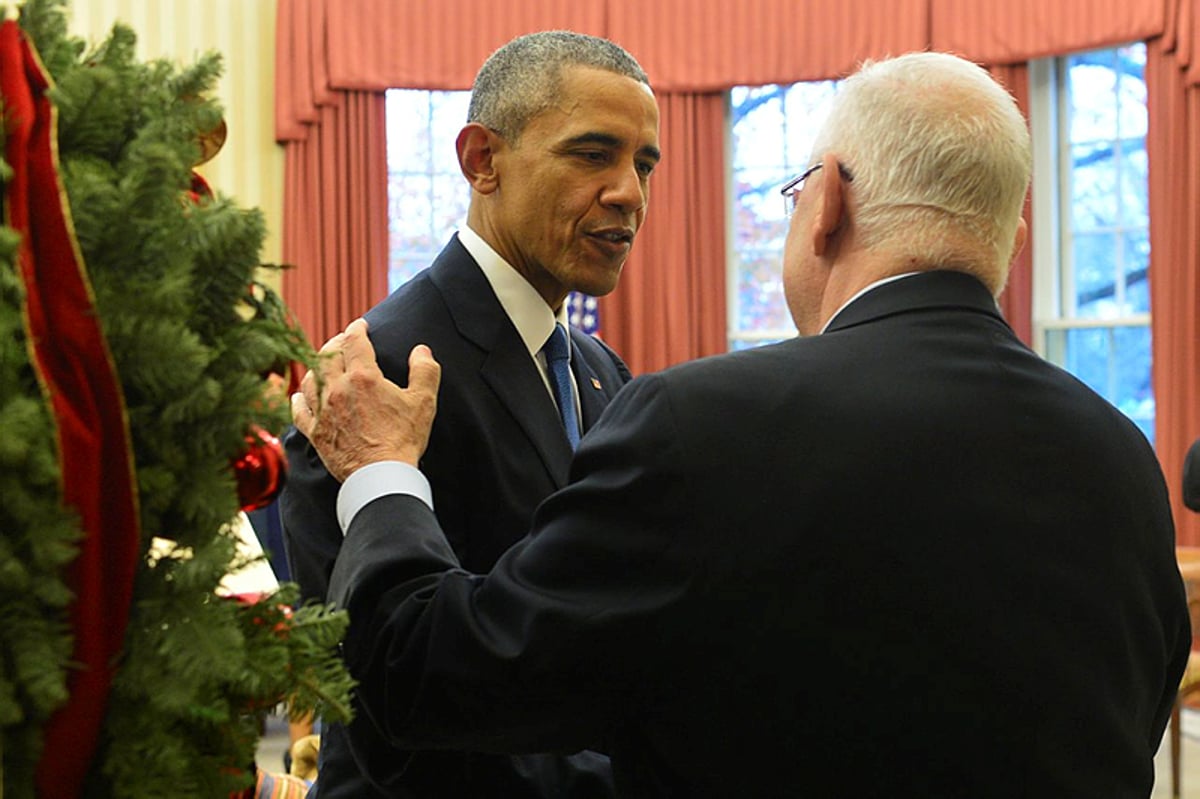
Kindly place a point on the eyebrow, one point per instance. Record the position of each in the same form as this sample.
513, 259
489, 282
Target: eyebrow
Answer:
608, 140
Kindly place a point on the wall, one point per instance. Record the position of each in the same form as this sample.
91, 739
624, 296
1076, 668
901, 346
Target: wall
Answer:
249, 168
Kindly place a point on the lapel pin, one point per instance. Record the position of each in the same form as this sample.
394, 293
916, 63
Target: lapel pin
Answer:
595, 384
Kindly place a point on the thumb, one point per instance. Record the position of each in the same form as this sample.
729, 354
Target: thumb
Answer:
424, 373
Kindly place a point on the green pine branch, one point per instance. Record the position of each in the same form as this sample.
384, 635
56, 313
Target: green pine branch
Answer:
194, 338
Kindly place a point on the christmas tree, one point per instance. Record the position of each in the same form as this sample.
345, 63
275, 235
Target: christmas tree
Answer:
167, 275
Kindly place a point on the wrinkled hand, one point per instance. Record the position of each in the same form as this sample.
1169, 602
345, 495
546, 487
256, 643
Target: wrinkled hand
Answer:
355, 416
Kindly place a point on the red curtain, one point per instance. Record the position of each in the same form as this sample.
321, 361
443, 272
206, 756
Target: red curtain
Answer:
335, 234
1173, 145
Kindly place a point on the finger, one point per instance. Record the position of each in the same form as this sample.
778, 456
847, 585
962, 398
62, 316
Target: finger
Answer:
356, 347
330, 360
334, 344
310, 388
424, 373
302, 415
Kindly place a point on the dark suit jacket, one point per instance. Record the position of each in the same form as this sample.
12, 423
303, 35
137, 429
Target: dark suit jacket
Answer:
497, 449
906, 557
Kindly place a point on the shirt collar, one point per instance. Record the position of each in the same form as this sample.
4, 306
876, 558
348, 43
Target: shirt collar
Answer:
528, 312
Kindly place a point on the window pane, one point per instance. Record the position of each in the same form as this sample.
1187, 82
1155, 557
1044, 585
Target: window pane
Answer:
1093, 186
1093, 92
449, 114
408, 130
1136, 254
761, 306
1131, 98
408, 207
1114, 361
806, 107
758, 132
402, 270
772, 135
1095, 288
1134, 183
761, 211
427, 196
451, 196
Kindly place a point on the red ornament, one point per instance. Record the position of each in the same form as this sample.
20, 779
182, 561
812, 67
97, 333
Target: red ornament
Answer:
260, 471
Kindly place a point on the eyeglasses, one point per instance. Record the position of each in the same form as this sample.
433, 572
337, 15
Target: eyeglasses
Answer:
792, 188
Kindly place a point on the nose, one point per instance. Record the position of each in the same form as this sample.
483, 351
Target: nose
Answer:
627, 190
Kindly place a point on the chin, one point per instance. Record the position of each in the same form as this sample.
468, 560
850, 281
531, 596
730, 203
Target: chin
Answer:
597, 282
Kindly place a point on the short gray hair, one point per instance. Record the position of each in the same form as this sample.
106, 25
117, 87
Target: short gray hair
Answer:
524, 77
941, 160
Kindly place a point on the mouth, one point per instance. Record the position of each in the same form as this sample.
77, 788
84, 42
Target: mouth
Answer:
615, 237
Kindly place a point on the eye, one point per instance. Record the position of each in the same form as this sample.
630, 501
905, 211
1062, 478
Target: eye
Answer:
645, 168
593, 156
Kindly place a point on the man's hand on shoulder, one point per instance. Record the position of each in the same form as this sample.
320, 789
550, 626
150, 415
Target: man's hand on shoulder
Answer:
354, 416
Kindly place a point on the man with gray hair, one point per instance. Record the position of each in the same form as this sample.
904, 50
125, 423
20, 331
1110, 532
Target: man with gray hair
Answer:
900, 555
558, 148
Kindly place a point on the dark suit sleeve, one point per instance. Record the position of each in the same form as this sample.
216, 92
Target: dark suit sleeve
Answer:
308, 511
547, 651
1191, 477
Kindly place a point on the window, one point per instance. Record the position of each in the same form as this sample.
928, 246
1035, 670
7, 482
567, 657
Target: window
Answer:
427, 195
1091, 292
772, 131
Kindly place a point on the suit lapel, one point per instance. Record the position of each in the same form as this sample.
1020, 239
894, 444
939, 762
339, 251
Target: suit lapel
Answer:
512, 375
506, 367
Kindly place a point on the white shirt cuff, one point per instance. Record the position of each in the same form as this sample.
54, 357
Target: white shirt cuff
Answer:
376, 480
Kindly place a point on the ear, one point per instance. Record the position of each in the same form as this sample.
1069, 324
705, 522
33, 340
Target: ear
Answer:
828, 218
477, 148
1019, 240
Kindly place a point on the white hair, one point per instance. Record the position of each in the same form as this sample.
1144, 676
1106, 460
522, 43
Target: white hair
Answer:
940, 157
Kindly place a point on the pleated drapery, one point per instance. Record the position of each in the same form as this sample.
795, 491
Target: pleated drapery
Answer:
670, 304
1173, 148
335, 233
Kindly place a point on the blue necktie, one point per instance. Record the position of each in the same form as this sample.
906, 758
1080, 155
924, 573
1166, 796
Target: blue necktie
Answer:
558, 363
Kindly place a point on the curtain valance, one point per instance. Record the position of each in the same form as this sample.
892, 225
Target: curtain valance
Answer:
1181, 37
1016, 31
324, 47
711, 45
